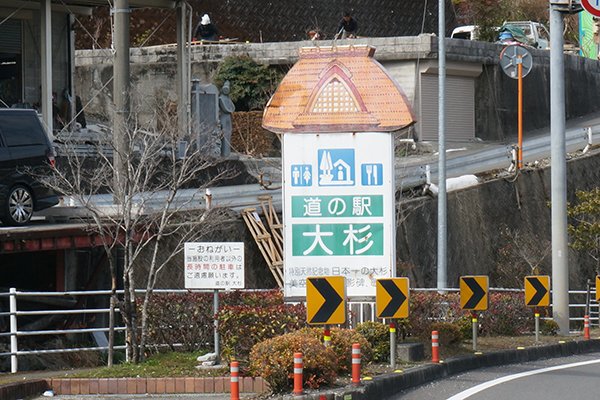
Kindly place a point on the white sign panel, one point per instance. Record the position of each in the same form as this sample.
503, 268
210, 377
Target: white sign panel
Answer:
338, 209
214, 265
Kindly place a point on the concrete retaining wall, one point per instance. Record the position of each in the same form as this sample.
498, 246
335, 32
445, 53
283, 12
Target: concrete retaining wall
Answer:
476, 216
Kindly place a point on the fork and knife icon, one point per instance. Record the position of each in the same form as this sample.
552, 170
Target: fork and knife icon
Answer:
371, 170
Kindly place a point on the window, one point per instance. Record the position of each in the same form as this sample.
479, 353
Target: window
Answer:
20, 131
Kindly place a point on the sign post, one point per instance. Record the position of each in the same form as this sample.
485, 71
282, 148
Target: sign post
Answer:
516, 62
474, 296
537, 294
214, 265
392, 302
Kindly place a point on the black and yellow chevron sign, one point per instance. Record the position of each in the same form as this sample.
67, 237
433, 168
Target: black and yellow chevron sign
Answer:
392, 298
326, 300
474, 292
537, 291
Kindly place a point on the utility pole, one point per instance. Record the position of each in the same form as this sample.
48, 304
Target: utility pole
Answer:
442, 280
558, 153
121, 95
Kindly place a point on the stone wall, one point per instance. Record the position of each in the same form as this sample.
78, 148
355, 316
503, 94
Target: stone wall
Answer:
154, 69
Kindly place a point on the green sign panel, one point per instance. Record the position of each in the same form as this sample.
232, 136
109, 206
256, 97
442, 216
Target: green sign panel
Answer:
337, 206
337, 239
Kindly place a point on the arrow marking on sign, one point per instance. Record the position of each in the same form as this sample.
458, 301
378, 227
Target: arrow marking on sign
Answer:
332, 300
540, 291
398, 298
477, 295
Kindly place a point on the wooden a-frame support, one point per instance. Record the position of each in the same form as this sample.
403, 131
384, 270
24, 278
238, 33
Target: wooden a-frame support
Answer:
270, 244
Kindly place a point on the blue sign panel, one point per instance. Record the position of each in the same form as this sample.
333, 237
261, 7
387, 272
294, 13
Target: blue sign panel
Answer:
371, 174
336, 167
301, 175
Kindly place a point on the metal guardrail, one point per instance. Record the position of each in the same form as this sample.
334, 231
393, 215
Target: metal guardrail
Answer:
364, 308
406, 177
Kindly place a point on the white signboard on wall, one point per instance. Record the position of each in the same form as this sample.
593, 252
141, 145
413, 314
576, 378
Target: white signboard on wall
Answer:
214, 265
338, 209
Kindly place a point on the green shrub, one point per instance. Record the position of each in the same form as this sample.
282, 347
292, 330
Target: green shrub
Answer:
426, 307
273, 360
465, 325
342, 341
549, 327
243, 326
506, 315
181, 318
251, 84
378, 336
448, 334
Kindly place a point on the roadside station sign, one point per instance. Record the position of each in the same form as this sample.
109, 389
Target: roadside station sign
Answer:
392, 298
326, 300
338, 209
214, 265
474, 292
537, 291
592, 6
337, 110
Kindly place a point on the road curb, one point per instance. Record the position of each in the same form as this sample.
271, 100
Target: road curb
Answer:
383, 386
20, 390
93, 386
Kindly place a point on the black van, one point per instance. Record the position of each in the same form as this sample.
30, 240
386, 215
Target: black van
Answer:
25, 150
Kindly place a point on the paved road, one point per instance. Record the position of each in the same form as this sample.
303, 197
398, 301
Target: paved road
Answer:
573, 377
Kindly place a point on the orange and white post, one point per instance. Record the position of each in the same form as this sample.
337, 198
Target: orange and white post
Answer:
235, 380
298, 374
435, 349
356, 364
586, 327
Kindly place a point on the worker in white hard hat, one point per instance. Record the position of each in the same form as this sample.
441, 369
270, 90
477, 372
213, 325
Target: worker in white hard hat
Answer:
206, 30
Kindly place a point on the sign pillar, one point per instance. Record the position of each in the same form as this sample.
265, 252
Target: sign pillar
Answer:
214, 265
474, 296
537, 294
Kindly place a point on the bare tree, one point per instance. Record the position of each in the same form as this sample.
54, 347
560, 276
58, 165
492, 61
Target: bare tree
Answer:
158, 199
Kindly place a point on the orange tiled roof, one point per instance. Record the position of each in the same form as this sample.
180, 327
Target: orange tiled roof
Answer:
338, 89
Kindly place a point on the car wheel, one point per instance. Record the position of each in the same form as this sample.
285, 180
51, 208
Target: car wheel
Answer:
19, 206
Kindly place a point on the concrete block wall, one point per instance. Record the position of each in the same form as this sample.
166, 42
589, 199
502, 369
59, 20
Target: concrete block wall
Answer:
154, 74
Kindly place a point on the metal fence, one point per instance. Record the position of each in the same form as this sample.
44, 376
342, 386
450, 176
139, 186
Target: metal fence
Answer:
362, 310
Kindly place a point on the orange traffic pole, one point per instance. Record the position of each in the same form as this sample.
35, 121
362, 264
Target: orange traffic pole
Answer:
520, 155
435, 350
356, 364
298, 370
235, 381
586, 327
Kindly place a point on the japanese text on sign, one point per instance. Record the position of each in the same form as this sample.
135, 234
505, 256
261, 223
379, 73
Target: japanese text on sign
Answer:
216, 265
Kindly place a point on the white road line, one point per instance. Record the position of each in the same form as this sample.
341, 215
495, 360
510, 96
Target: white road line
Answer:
480, 388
